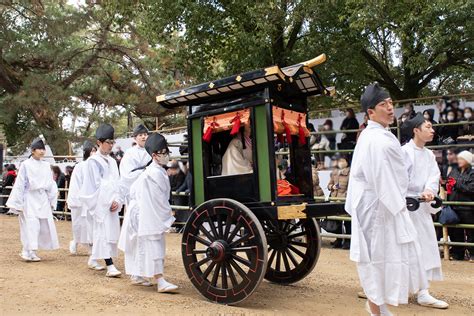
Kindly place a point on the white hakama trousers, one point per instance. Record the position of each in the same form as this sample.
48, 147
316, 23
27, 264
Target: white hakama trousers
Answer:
80, 230
105, 237
392, 282
151, 255
38, 233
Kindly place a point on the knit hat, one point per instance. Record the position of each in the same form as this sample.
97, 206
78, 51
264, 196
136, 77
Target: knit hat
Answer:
466, 155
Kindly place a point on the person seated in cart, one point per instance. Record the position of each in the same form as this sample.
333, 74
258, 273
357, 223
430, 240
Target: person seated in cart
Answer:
238, 155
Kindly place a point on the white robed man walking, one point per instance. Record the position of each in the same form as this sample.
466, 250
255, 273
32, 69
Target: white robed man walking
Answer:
34, 196
80, 219
151, 215
424, 175
131, 166
100, 194
383, 242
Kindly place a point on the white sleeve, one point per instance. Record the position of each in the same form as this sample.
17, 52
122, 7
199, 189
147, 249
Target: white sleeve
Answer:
17, 195
432, 182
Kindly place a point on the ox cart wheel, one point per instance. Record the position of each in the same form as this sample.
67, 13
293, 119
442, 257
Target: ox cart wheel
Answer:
224, 251
293, 249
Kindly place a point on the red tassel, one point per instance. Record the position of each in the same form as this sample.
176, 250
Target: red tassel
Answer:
208, 134
302, 136
236, 124
287, 128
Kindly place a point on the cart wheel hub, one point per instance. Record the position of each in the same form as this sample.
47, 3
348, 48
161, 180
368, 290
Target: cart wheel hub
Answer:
217, 251
278, 242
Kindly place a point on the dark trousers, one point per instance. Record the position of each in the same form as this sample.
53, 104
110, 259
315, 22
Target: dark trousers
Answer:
462, 235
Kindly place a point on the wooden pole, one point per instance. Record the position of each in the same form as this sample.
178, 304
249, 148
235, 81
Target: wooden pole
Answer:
445, 239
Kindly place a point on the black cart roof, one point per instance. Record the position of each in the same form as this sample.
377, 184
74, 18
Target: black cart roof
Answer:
302, 79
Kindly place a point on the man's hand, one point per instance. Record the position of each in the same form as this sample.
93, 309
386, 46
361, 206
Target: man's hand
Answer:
428, 196
114, 206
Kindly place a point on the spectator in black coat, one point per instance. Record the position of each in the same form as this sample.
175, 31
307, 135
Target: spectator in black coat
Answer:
60, 180
467, 129
463, 190
350, 122
449, 134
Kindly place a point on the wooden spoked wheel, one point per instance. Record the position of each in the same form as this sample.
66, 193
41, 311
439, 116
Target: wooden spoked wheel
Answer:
293, 249
224, 251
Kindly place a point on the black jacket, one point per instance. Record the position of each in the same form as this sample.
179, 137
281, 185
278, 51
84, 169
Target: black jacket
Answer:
350, 123
463, 189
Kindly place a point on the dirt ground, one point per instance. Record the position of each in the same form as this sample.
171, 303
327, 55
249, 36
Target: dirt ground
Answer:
62, 284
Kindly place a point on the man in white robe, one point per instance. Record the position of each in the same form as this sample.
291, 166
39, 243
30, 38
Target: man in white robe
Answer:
383, 242
34, 196
237, 158
135, 158
81, 222
100, 195
424, 176
151, 215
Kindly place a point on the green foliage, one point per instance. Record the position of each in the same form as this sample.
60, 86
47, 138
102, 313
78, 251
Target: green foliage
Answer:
106, 59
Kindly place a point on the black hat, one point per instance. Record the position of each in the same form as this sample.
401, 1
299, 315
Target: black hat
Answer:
140, 129
88, 145
104, 131
155, 142
37, 143
408, 126
373, 95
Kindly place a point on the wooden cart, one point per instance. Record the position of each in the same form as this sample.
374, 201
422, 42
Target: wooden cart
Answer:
240, 229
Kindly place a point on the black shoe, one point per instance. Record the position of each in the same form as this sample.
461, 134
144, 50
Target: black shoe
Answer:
346, 245
337, 244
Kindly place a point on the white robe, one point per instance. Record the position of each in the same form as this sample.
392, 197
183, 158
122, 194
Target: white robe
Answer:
99, 190
134, 157
81, 224
150, 217
424, 174
35, 195
236, 159
383, 240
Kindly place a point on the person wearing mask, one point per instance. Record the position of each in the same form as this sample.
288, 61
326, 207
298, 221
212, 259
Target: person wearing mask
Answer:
449, 133
350, 122
80, 219
35, 197
8, 182
337, 187
467, 129
383, 243
100, 194
331, 137
423, 181
462, 190
152, 215
131, 166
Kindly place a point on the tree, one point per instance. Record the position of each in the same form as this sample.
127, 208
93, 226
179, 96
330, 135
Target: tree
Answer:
58, 60
408, 46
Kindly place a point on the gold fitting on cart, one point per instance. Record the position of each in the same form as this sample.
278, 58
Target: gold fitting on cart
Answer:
292, 211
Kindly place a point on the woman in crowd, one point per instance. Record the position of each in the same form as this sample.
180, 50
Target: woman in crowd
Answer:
462, 189
338, 187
